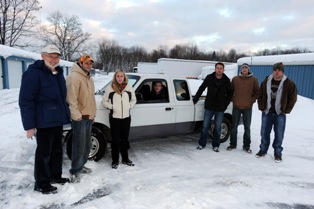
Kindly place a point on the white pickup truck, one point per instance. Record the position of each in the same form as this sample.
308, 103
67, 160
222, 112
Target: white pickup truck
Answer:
154, 118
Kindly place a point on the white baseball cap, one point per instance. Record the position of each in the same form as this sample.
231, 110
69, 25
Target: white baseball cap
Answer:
51, 49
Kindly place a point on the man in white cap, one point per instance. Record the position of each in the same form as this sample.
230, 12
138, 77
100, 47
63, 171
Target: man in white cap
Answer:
43, 106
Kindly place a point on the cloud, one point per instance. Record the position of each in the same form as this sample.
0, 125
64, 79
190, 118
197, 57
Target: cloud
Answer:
212, 25
258, 31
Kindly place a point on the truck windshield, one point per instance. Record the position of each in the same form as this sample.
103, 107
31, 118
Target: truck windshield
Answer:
132, 81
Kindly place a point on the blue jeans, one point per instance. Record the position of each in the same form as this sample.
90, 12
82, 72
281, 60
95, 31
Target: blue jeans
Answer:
247, 116
208, 115
279, 123
81, 144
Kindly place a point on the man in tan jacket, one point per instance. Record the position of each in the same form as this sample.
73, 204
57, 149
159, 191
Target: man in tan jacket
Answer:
81, 100
245, 92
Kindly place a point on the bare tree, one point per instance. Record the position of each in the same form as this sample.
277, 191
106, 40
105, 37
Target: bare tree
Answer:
161, 52
221, 56
186, 51
112, 56
133, 55
108, 51
66, 33
17, 21
232, 55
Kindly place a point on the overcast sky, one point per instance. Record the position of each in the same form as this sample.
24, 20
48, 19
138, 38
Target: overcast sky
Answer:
245, 25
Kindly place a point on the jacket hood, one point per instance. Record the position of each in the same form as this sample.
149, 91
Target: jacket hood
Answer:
248, 75
76, 68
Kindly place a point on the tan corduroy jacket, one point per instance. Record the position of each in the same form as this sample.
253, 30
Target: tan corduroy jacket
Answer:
80, 93
245, 91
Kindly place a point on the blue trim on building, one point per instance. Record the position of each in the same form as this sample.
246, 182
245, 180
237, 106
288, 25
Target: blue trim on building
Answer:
5, 75
17, 55
5, 68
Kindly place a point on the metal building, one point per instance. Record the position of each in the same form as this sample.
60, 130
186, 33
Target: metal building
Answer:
14, 62
298, 67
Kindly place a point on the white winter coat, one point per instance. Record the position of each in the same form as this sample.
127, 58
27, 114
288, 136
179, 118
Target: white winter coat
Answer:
120, 104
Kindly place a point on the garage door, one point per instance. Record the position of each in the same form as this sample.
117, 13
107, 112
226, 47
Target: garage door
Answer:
15, 73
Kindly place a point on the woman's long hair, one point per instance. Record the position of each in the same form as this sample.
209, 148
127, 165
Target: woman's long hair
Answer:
114, 84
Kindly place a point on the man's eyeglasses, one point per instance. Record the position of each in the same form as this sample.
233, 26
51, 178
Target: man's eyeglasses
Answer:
52, 57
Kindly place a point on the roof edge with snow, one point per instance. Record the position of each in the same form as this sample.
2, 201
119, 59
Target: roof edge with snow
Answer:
6, 52
287, 59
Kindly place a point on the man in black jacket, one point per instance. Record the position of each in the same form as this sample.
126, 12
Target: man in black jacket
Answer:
217, 100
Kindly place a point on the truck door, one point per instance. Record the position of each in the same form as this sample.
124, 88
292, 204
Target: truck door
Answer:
184, 107
153, 114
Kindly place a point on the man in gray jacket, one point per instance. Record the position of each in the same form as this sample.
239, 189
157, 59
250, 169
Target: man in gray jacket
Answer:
277, 97
245, 92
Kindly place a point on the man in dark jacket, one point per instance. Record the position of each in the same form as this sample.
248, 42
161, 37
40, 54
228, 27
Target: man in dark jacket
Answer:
42, 102
277, 97
217, 100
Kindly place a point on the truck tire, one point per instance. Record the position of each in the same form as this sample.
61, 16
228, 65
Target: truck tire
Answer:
225, 131
98, 148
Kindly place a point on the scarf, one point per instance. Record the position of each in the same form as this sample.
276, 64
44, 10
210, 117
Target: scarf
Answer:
121, 87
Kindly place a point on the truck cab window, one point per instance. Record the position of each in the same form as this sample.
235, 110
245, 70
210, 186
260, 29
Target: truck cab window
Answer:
152, 91
182, 91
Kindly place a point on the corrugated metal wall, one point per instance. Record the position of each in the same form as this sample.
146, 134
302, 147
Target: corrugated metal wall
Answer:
301, 75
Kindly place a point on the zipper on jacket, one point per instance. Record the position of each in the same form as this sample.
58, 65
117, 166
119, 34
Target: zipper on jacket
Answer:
121, 105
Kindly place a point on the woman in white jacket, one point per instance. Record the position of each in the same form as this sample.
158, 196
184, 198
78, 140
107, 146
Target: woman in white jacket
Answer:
119, 98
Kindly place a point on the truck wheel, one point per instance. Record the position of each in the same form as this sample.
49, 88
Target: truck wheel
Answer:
98, 147
225, 131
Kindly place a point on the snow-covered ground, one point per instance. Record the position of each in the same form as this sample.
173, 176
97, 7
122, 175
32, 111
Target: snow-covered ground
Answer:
169, 173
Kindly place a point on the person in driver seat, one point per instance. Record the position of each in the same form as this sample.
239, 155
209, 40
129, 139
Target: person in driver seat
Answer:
158, 92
